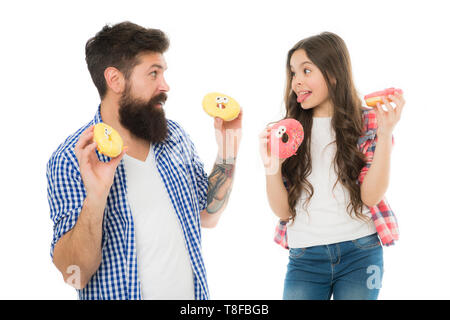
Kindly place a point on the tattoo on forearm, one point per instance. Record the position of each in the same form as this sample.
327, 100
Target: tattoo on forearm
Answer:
219, 185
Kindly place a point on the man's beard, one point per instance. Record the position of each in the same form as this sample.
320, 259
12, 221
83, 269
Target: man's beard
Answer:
142, 118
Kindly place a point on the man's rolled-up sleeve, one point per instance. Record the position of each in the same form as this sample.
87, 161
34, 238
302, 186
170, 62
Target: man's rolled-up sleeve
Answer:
65, 193
201, 179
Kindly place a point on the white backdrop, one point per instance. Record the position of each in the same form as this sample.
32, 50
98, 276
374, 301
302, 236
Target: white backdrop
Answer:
239, 48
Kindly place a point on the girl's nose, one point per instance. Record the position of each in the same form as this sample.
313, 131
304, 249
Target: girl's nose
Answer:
297, 83
299, 80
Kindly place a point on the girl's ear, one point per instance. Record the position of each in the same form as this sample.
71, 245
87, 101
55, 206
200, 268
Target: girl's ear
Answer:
333, 81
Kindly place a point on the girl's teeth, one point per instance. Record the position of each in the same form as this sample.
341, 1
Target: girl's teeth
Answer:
303, 96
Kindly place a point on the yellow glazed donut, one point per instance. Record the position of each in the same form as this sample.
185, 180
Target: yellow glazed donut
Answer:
220, 105
108, 140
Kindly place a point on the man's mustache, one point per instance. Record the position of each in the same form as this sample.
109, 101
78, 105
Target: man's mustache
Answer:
160, 98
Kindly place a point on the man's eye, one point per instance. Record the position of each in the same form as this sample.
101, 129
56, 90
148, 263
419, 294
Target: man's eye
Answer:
153, 74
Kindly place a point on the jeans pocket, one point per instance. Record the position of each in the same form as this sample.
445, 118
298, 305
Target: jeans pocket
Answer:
296, 252
367, 242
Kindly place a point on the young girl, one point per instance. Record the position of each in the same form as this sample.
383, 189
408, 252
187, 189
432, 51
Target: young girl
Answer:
330, 195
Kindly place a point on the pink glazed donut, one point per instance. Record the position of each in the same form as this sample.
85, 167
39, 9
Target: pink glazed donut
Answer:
286, 136
375, 97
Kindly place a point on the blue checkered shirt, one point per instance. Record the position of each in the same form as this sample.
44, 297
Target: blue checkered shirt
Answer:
186, 183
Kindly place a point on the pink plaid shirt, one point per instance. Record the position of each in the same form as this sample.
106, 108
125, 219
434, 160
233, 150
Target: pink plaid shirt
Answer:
382, 215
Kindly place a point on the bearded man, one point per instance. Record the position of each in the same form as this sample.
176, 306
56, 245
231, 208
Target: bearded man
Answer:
129, 227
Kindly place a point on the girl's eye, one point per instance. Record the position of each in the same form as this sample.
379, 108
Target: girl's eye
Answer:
292, 74
307, 71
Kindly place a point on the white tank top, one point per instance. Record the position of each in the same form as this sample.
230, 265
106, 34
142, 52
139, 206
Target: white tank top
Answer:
327, 220
164, 267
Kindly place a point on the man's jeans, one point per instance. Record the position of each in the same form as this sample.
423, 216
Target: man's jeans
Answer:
350, 270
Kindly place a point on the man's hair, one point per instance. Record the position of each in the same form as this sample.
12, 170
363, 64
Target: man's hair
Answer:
120, 46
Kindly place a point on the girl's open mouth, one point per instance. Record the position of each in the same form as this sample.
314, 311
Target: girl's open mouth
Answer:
302, 96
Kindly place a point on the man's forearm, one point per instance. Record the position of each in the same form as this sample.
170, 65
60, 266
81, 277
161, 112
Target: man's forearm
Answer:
376, 181
81, 246
219, 184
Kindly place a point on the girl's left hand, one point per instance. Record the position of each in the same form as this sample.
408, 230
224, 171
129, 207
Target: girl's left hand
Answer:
388, 119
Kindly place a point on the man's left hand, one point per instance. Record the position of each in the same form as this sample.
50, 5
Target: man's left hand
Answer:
228, 136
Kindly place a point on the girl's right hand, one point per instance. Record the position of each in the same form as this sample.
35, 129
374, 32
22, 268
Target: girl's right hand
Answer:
272, 163
97, 176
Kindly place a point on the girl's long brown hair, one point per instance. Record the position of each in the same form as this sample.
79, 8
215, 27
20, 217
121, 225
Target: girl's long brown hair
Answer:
329, 53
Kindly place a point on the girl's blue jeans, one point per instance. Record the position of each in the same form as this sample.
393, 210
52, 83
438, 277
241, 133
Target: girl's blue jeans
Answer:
349, 270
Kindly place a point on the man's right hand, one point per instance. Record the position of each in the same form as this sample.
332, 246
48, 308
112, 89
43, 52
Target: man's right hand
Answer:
97, 176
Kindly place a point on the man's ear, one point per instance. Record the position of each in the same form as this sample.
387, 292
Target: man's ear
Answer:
115, 81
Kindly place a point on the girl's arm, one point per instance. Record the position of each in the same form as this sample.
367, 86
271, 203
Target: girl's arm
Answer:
376, 180
277, 195
276, 191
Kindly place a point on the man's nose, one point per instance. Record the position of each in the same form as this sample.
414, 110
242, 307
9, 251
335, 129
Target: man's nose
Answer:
164, 86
